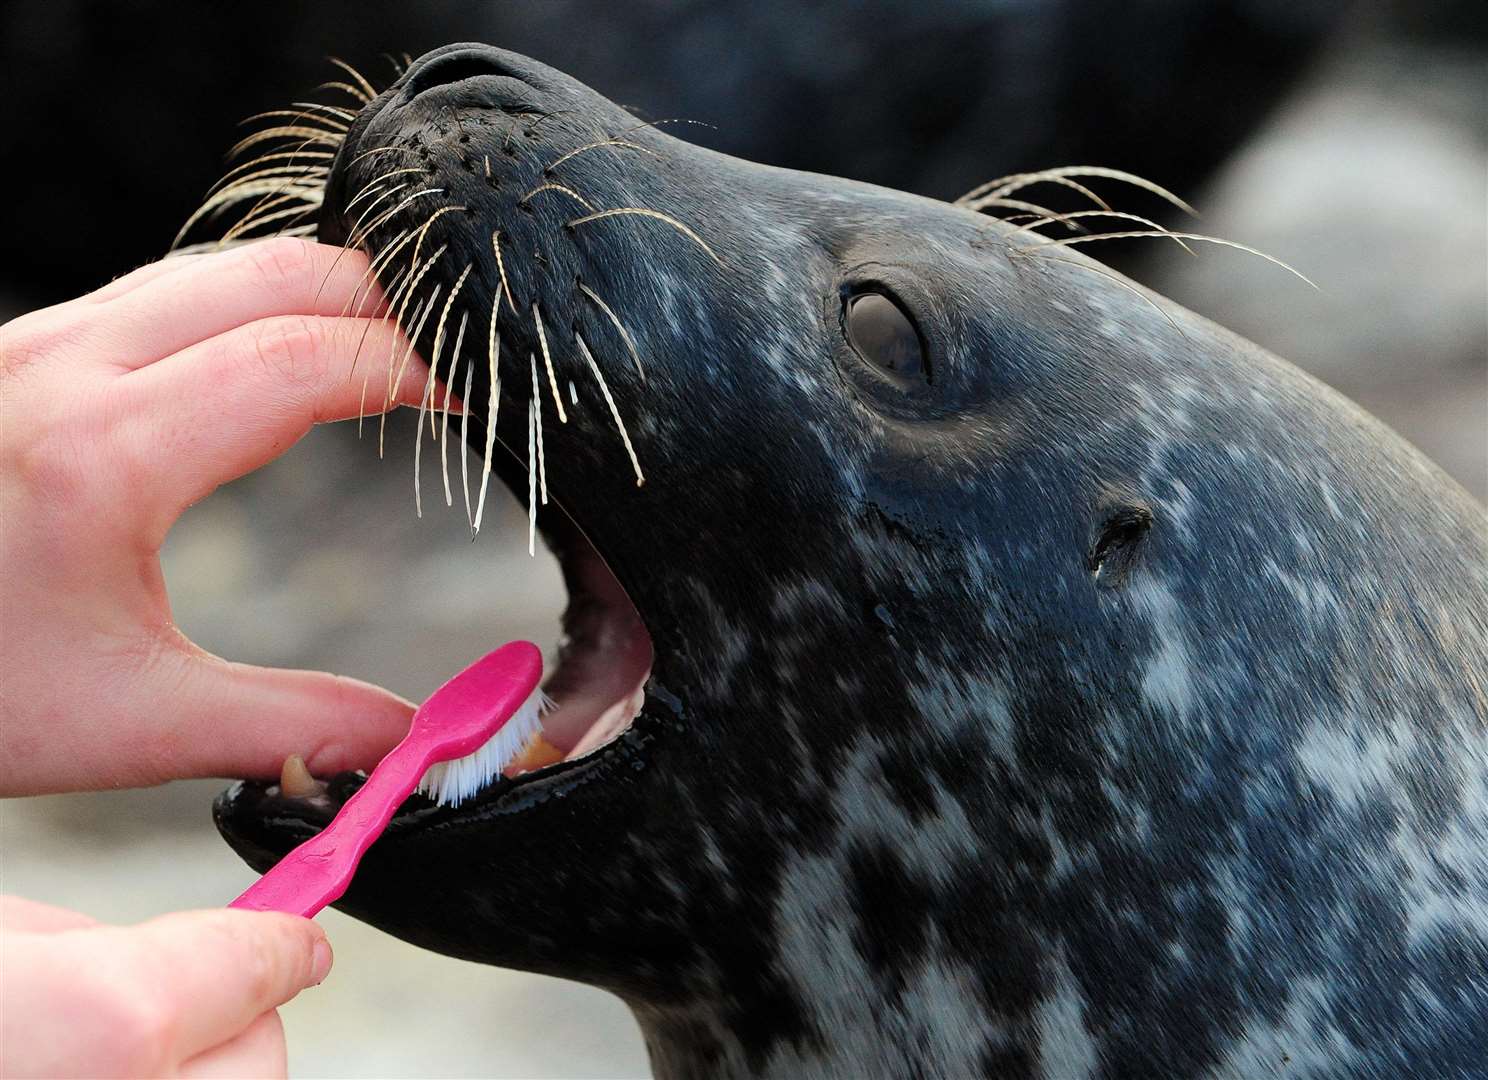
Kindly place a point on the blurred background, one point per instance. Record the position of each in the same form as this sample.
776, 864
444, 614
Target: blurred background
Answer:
1349, 139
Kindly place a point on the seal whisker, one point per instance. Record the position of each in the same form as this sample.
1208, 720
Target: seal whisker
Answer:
1007, 185
426, 401
1066, 219
1033, 209
428, 224
395, 379
542, 463
1076, 186
379, 150
642, 211
316, 136
356, 76
392, 351
614, 411
624, 333
570, 192
449, 390
1068, 240
493, 402
311, 194
354, 236
260, 210
336, 111
351, 91
395, 288
669, 120
302, 181
277, 155
439, 337
228, 196
501, 269
413, 261
374, 267
465, 450
532, 468
284, 169
303, 112
618, 143
348, 246
251, 187
242, 227
423, 399
990, 200
358, 239
362, 399
542, 340
372, 185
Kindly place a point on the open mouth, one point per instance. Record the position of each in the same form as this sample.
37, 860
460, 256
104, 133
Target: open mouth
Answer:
340, 190
597, 690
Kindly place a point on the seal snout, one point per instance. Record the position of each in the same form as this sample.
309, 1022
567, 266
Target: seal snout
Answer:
460, 64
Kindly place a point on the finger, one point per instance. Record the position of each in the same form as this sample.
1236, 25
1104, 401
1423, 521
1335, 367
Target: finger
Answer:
232, 404
141, 276
258, 1052
224, 290
239, 720
216, 972
19, 914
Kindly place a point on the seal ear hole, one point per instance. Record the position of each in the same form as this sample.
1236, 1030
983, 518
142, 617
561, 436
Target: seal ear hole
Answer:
1118, 542
883, 334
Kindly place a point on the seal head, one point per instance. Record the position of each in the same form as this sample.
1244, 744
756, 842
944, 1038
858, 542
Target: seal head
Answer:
1043, 680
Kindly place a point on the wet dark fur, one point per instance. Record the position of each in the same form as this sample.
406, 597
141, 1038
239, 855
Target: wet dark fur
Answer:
1113, 705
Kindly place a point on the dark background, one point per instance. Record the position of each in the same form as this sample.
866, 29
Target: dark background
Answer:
124, 109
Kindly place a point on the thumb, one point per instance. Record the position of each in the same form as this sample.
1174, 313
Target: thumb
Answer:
241, 720
215, 972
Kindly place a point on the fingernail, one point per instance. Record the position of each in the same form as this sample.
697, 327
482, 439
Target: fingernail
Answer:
321, 966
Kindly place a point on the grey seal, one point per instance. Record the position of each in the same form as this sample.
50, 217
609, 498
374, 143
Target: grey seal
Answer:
978, 665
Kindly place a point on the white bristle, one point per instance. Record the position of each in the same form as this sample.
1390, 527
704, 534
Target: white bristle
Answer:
450, 783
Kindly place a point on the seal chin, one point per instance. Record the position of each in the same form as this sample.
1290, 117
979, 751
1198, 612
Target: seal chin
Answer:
598, 690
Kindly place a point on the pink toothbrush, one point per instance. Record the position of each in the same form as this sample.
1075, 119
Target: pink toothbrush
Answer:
461, 737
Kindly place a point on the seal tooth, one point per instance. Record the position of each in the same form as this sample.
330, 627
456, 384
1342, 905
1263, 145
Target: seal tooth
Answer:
295, 781
538, 754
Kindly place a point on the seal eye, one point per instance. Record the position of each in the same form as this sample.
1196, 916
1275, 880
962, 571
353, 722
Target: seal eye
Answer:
883, 335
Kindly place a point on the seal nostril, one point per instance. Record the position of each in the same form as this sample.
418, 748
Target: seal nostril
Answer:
452, 68
1117, 543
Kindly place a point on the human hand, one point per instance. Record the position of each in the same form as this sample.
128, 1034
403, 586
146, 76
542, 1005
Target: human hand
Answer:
189, 994
119, 410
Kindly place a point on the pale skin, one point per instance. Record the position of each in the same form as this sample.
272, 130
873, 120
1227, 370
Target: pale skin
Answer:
118, 411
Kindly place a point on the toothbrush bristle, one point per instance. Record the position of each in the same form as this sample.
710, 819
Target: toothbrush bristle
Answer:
449, 783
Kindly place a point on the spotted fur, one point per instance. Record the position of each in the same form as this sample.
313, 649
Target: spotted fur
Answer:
1114, 708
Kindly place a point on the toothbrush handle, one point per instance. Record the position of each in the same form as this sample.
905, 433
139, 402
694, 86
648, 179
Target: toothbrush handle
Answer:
318, 871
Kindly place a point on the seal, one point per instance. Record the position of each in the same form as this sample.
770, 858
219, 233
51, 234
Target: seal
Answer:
977, 664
